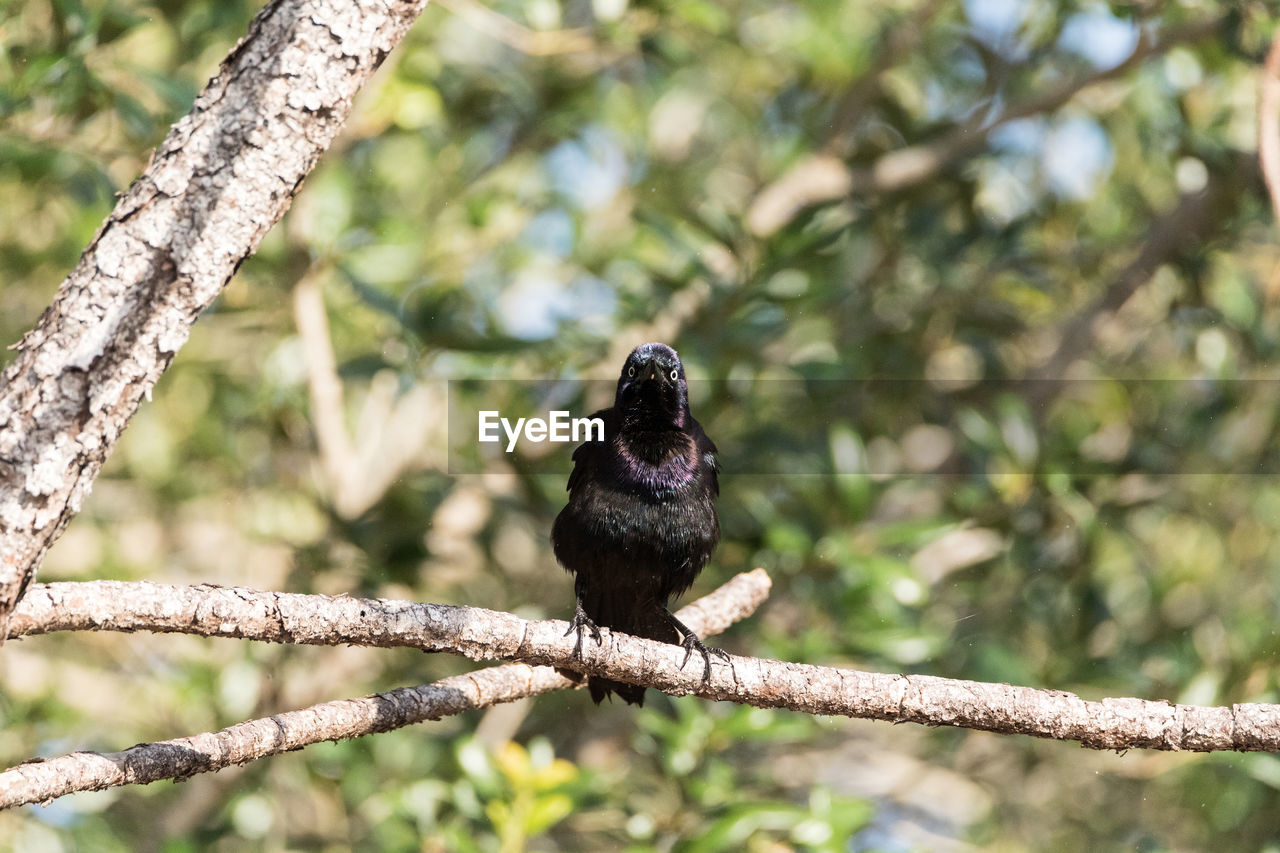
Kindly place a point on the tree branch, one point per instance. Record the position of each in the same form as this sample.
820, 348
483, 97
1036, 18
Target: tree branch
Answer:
1190, 223
1113, 723
823, 177
40, 781
900, 42
1269, 125
394, 431
517, 36
222, 177
209, 610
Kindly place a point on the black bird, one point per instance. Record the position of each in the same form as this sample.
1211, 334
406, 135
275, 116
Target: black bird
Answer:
641, 520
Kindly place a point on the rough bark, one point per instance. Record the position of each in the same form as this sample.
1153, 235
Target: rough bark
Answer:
1113, 723
317, 620
40, 781
222, 177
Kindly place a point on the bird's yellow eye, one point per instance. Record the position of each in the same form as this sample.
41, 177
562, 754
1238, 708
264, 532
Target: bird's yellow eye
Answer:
674, 375
631, 371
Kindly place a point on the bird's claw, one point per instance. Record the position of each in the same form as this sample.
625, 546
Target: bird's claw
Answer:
580, 622
691, 643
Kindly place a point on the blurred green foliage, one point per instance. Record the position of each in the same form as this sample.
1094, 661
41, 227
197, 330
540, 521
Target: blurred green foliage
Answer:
493, 213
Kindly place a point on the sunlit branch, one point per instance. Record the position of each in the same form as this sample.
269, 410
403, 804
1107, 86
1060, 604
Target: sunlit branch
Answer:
40, 781
1113, 723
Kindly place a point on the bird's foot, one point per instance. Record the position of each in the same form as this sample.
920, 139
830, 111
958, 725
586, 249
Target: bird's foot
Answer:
691, 643
580, 622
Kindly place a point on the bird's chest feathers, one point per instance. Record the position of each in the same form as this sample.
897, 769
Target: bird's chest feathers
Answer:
664, 512
657, 465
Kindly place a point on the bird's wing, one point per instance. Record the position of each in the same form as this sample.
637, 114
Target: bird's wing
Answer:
707, 451
587, 453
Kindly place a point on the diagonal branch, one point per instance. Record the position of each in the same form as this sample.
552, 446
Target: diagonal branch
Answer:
901, 41
337, 452
223, 176
1190, 223
43, 780
1269, 125
911, 166
825, 177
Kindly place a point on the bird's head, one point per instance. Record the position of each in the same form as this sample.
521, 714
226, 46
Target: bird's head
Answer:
652, 388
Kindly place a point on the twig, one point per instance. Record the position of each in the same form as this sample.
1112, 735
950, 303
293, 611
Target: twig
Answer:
40, 781
323, 382
393, 430
518, 36
1269, 125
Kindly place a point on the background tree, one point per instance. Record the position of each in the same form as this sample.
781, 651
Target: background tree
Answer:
863, 226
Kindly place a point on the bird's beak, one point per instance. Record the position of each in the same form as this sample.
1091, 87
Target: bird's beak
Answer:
651, 372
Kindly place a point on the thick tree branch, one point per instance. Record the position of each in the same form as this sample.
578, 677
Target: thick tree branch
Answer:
1114, 723
43, 780
222, 177
317, 620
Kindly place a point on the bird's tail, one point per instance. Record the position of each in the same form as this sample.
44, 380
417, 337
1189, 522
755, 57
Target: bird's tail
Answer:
650, 622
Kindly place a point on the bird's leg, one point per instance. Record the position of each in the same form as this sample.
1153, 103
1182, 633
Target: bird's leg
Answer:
580, 618
691, 643
580, 621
